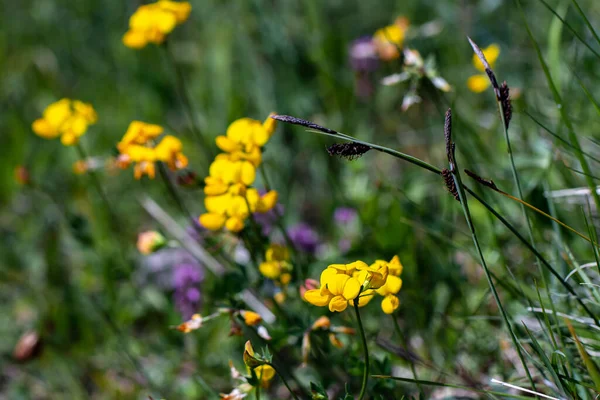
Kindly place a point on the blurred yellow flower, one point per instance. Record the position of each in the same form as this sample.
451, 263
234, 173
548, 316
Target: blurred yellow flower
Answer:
245, 137
66, 118
151, 23
250, 317
479, 82
264, 373
229, 199
137, 146
277, 263
389, 39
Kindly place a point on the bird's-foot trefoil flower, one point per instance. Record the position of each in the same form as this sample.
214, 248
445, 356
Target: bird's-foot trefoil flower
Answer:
66, 118
151, 23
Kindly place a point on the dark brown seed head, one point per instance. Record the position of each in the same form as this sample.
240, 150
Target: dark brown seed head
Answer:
302, 122
506, 104
350, 151
450, 185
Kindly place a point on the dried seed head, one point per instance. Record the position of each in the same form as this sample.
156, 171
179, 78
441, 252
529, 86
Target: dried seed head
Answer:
485, 182
450, 185
350, 151
299, 121
505, 102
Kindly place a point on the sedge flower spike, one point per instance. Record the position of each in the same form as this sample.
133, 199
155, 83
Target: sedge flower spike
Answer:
66, 118
479, 82
151, 23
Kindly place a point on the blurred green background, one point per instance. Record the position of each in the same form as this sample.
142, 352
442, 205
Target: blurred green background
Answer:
67, 274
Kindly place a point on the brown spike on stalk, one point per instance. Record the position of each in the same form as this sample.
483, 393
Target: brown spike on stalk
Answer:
302, 122
506, 103
450, 184
485, 182
448, 135
350, 151
488, 68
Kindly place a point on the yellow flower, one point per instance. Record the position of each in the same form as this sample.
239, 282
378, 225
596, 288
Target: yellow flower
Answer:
245, 137
373, 275
478, 83
337, 289
387, 40
276, 264
140, 133
66, 118
250, 317
136, 146
390, 303
169, 151
264, 373
151, 23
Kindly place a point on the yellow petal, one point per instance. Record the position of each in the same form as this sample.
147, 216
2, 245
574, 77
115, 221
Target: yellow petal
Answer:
270, 124
134, 39
248, 173
351, 288
44, 129
338, 303
234, 224
315, 297
226, 144
395, 266
212, 221
267, 201
270, 269
478, 83
390, 303
327, 276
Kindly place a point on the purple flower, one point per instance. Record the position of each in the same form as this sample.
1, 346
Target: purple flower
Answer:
344, 215
186, 280
304, 237
363, 55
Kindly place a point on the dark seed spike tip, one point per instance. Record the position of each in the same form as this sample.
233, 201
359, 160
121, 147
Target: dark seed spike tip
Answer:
479, 53
302, 122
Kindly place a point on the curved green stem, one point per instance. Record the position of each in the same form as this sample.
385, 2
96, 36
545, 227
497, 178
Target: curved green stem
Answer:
284, 381
365, 377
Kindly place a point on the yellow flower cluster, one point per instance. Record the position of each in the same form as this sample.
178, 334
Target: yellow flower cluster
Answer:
342, 283
137, 145
277, 264
66, 118
151, 23
389, 39
229, 199
478, 83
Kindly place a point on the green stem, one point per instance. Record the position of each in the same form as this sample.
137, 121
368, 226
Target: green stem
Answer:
284, 381
410, 360
562, 107
463, 201
365, 377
